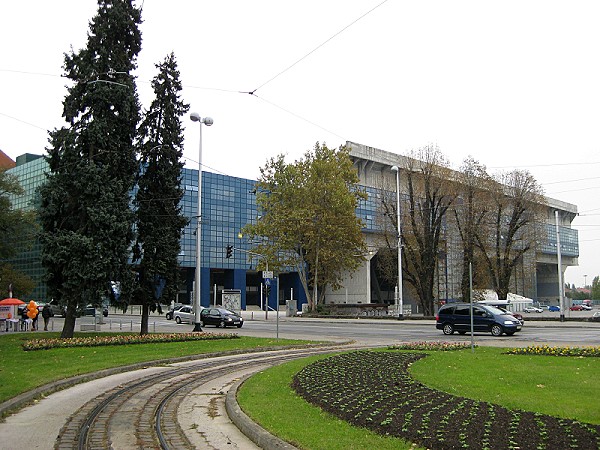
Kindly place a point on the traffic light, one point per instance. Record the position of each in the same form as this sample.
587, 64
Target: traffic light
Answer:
229, 251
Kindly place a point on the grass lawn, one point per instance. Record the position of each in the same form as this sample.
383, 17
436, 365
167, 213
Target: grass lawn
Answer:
557, 386
21, 371
298, 422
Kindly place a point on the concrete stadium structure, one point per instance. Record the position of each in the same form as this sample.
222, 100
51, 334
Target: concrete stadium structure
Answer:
228, 203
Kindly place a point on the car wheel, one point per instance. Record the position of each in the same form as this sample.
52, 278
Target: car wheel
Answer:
178, 319
169, 316
448, 328
222, 324
496, 330
240, 325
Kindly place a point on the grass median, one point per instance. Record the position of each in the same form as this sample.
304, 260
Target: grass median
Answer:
557, 386
21, 371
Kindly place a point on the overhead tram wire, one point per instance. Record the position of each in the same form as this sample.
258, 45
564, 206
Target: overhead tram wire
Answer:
298, 116
253, 92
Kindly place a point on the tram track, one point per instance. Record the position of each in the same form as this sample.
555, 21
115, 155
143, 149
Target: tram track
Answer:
143, 413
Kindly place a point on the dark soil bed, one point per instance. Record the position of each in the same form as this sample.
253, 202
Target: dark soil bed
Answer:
374, 390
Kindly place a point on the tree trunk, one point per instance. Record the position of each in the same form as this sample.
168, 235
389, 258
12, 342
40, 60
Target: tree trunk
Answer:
70, 318
144, 324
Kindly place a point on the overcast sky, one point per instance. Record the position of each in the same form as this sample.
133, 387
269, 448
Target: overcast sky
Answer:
515, 84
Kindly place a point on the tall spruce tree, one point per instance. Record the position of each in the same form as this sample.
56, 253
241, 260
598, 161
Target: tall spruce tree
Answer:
159, 217
85, 214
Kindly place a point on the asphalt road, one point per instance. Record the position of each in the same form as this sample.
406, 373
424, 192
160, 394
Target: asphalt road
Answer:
202, 413
368, 331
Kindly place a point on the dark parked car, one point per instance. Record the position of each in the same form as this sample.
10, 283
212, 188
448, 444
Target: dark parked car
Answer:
220, 317
90, 310
457, 317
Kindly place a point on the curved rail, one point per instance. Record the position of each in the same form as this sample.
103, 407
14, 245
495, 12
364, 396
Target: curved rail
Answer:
150, 402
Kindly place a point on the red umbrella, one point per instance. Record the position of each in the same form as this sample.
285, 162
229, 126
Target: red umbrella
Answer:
11, 301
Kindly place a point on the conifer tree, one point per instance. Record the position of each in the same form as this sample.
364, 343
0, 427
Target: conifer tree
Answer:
159, 218
85, 214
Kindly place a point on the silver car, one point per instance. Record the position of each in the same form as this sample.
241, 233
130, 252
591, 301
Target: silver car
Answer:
185, 314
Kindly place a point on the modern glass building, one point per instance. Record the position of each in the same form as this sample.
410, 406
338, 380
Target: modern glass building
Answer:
229, 203
30, 170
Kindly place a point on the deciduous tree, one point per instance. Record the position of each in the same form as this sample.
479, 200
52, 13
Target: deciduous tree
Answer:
595, 293
511, 227
430, 194
308, 220
470, 211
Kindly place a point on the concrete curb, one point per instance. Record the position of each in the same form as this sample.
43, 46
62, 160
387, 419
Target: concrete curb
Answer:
254, 432
18, 402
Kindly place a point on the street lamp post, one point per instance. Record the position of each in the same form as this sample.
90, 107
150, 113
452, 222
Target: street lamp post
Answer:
560, 280
208, 122
399, 306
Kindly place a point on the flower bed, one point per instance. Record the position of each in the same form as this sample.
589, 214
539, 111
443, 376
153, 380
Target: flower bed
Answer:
546, 350
431, 346
374, 390
99, 341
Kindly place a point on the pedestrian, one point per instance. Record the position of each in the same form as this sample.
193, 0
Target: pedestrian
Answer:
24, 319
46, 314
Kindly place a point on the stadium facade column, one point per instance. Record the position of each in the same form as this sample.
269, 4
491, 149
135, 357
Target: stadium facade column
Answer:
205, 299
239, 282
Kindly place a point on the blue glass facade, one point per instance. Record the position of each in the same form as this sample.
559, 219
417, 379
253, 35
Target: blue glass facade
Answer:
30, 171
569, 241
228, 203
368, 209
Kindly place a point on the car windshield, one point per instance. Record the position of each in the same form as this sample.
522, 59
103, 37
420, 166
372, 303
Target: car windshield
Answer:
495, 310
